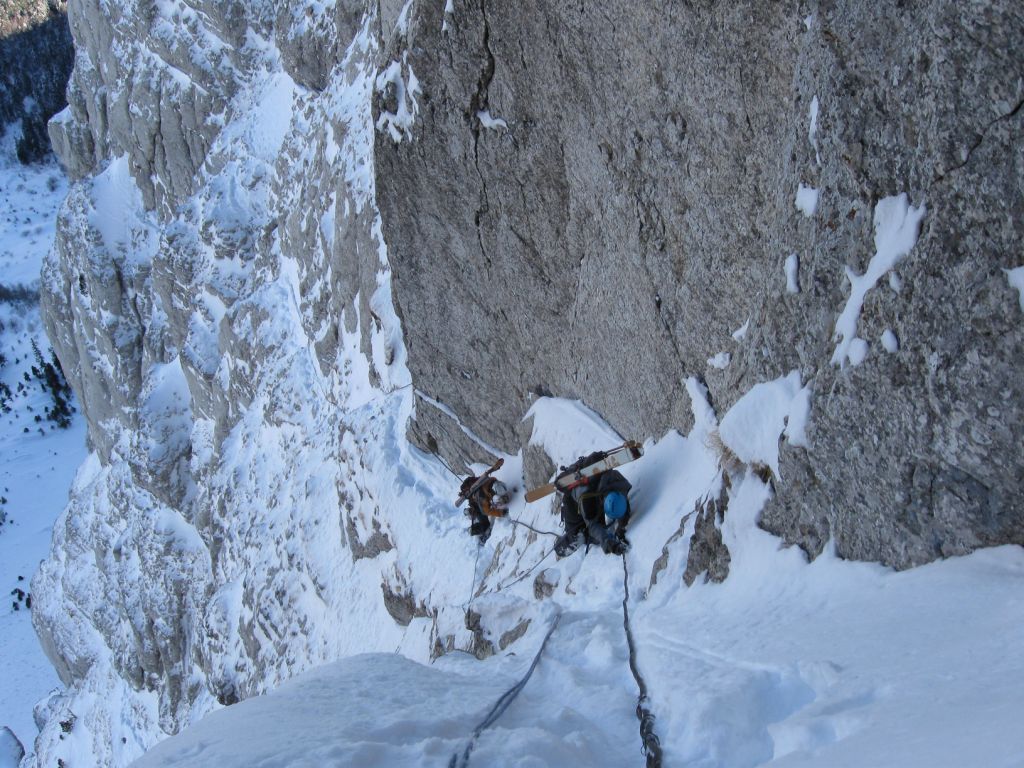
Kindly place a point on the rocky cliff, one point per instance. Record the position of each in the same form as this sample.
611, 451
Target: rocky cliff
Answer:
299, 230
594, 198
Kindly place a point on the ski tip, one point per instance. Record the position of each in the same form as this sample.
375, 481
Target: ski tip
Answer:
540, 492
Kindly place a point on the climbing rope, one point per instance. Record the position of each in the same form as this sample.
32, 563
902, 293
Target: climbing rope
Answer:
447, 466
472, 594
651, 743
476, 562
532, 568
503, 702
524, 575
535, 530
506, 585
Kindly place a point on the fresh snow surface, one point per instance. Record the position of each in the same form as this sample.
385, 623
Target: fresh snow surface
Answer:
793, 273
806, 200
889, 341
741, 332
11, 749
39, 460
786, 663
837, 663
1016, 279
566, 429
858, 351
116, 200
752, 427
896, 226
274, 109
29, 198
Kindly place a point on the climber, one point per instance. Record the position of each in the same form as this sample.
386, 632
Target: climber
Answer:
596, 511
487, 501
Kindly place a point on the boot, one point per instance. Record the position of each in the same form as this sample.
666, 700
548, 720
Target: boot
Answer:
568, 543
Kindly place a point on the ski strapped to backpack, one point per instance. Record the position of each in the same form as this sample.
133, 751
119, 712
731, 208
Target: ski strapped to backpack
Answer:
479, 482
587, 467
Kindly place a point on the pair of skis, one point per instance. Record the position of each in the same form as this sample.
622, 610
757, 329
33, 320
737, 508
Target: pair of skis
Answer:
588, 467
570, 477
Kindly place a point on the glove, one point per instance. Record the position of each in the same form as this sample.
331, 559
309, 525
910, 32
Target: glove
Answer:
615, 544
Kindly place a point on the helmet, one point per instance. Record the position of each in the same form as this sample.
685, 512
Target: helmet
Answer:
615, 506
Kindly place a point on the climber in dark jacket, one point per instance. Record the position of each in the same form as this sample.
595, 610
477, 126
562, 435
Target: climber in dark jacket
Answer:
596, 511
488, 501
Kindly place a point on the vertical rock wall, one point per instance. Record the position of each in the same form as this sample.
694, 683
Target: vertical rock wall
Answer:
593, 198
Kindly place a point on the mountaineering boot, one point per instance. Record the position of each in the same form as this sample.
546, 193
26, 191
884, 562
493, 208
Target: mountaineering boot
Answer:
481, 528
568, 543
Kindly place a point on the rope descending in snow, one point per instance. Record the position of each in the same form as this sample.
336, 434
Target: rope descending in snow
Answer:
535, 530
652, 746
461, 761
472, 595
524, 575
476, 562
533, 567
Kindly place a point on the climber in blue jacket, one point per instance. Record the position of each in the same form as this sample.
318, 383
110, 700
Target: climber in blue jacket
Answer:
596, 511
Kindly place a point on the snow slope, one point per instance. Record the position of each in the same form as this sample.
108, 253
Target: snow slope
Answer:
39, 460
785, 663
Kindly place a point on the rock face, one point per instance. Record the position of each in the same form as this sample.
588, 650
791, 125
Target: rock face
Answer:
593, 198
708, 555
35, 61
220, 299
300, 231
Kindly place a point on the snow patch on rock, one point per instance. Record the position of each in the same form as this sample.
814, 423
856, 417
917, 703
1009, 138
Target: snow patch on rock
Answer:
567, 429
1015, 277
812, 128
753, 426
489, 121
806, 200
792, 273
398, 123
896, 226
720, 360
